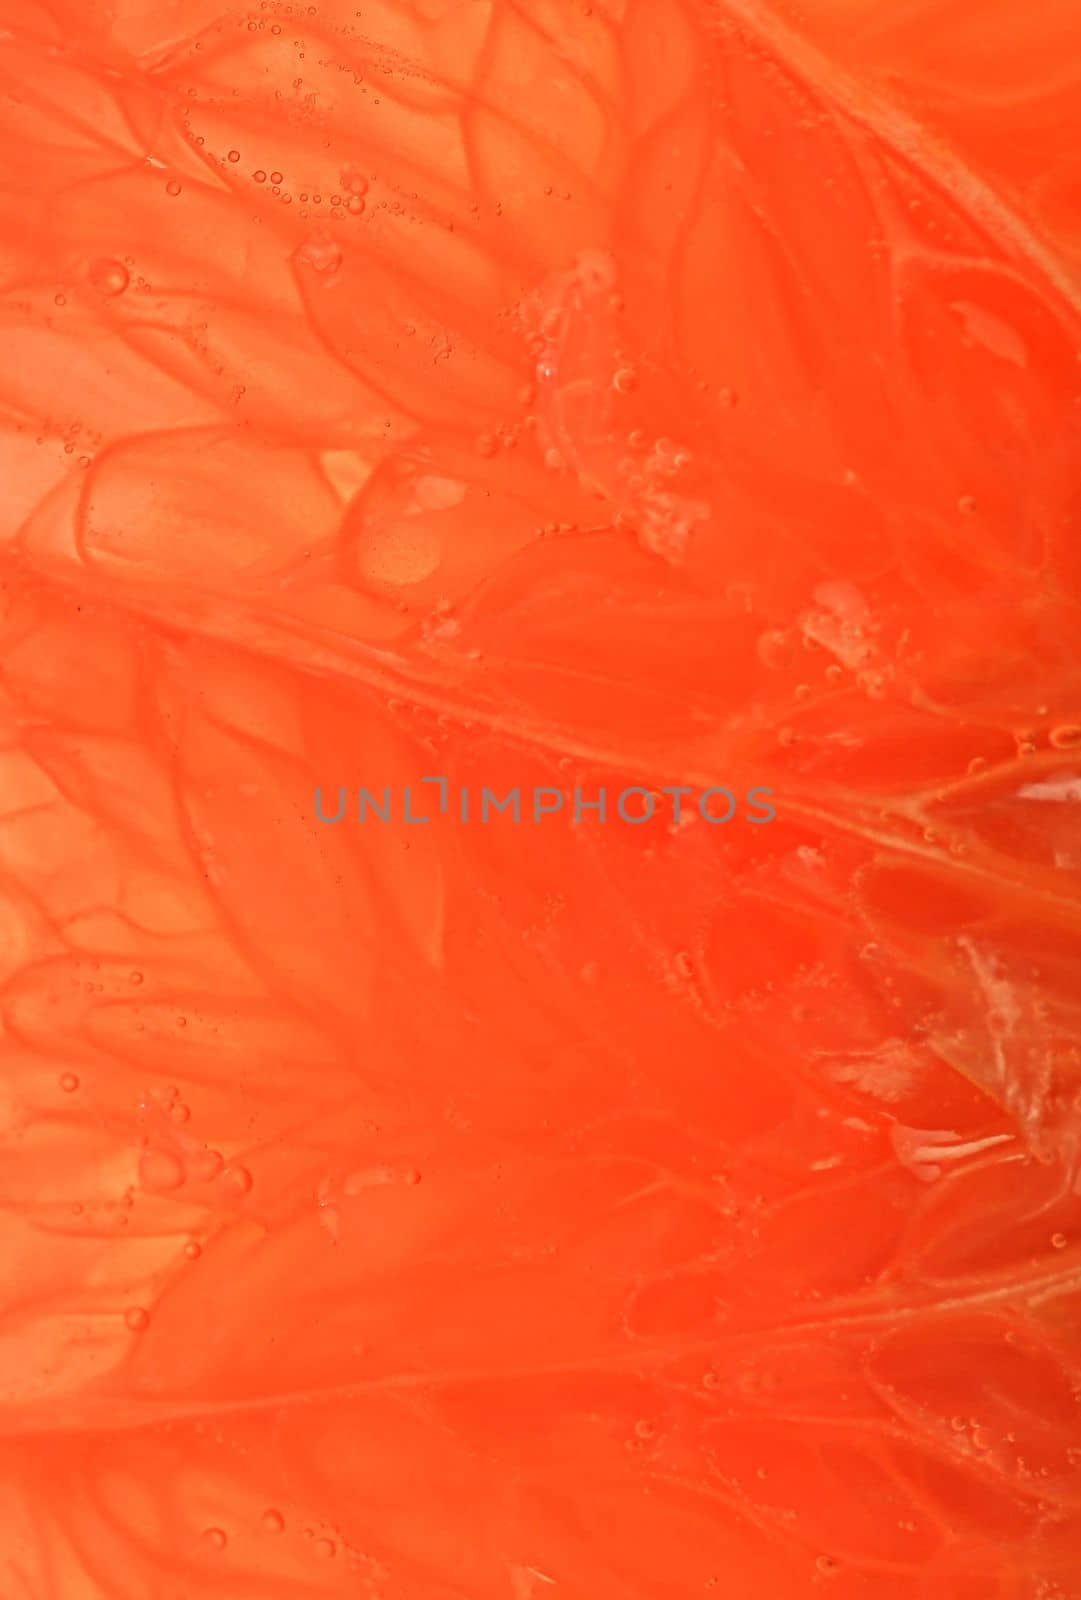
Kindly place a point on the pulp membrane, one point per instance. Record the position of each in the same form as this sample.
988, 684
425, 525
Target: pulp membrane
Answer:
541, 800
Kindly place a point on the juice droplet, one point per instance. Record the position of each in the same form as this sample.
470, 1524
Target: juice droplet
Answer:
108, 277
69, 1082
137, 1319
273, 1521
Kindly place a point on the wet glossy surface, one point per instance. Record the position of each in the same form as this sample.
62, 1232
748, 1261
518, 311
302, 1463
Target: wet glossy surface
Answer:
643, 393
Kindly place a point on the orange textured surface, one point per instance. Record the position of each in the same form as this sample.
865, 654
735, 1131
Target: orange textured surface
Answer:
653, 393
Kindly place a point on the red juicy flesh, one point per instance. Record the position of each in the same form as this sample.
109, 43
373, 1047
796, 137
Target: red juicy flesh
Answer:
540, 394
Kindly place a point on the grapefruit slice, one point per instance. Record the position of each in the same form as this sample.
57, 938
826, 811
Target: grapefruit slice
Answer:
541, 398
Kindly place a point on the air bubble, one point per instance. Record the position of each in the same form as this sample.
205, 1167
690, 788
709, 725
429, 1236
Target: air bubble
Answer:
273, 1521
237, 1180
69, 1082
108, 277
216, 1538
172, 188
137, 1319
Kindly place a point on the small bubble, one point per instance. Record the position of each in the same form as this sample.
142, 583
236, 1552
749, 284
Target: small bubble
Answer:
355, 205
193, 1249
353, 181
108, 277
967, 505
60, 299
237, 1180
137, 1319
260, 176
487, 444
69, 1082
273, 1521
135, 977
643, 1429
180, 1112
275, 177
172, 187
1058, 1241
625, 380
827, 1564
234, 155
216, 1538
1067, 737
324, 1549
977, 765
728, 398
